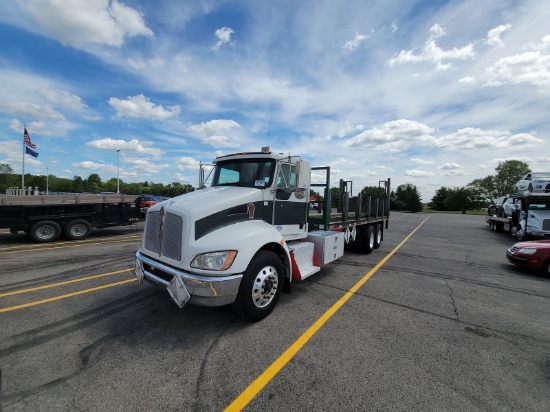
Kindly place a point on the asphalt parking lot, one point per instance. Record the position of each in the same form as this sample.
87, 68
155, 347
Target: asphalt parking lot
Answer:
441, 322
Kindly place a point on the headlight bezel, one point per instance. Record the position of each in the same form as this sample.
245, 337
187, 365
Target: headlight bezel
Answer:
218, 260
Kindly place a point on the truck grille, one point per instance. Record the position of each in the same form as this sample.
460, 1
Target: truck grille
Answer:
164, 237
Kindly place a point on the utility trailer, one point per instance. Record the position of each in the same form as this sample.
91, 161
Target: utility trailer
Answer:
45, 218
248, 236
530, 218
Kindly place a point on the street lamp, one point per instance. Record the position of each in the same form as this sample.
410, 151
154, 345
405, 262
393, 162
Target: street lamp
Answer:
117, 173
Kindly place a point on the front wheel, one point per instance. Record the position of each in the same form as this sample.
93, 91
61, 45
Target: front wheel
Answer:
546, 268
260, 287
45, 231
520, 234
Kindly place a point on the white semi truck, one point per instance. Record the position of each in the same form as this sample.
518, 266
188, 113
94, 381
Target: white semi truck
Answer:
251, 233
527, 218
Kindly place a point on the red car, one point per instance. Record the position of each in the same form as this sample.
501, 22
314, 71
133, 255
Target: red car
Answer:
534, 254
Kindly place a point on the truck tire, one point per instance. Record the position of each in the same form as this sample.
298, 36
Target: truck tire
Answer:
45, 231
377, 235
365, 240
520, 234
260, 287
77, 229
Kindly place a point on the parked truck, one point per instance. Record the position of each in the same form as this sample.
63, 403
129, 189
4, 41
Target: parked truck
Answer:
46, 217
527, 216
244, 239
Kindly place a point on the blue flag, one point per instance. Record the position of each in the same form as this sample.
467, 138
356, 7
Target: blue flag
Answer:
28, 150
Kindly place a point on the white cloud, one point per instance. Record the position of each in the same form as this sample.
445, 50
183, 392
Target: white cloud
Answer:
473, 138
31, 110
224, 37
187, 163
420, 161
531, 67
396, 135
493, 37
432, 53
418, 173
450, 166
351, 45
132, 146
214, 132
141, 107
80, 23
62, 99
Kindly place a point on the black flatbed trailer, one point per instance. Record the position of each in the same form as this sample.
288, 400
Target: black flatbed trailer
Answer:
45, 218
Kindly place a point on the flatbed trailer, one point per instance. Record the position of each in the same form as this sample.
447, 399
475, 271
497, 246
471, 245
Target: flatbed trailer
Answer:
46, 217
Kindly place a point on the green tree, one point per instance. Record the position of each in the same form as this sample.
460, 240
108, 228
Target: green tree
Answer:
503, 182
93, 183
438, 201
5, 168
373, 191
408, 198
462, 199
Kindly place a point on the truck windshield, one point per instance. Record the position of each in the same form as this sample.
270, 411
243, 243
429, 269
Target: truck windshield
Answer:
244, 173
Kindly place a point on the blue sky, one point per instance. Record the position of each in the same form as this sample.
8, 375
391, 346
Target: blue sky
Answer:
433, 93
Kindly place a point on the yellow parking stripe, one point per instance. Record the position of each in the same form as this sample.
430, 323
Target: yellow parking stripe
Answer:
53, 285
66, 246
80, 292
261, 381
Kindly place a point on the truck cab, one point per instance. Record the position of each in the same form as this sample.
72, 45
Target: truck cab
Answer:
244, 238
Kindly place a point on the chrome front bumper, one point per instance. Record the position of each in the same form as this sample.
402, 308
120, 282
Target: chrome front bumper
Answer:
185, 287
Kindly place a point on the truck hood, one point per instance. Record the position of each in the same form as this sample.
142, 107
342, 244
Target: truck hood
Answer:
209, 201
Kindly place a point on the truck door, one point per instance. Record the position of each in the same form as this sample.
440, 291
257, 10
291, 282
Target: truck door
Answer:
291, 200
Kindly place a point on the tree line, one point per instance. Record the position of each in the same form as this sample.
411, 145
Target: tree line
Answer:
406, 197
481, 192
91, 184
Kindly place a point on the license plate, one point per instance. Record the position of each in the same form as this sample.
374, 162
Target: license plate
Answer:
178, 292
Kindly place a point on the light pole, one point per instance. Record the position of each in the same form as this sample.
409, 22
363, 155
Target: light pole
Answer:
47, 179
117, 173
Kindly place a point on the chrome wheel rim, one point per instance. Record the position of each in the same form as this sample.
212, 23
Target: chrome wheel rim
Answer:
79, 229
45, 232
265, 286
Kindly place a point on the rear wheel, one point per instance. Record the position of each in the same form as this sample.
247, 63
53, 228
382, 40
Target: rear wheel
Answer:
365, 241
77, 229
260, 287
45, 231
377, 236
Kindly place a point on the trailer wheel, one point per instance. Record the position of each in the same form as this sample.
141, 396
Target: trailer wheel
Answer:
377, 236
77, 229
365, 242
260, 287
45, 231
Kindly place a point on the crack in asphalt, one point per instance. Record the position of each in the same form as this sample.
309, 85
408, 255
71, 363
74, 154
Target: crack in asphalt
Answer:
479, 327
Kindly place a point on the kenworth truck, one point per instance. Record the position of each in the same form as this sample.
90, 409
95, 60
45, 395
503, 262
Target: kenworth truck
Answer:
244, 239
528, 218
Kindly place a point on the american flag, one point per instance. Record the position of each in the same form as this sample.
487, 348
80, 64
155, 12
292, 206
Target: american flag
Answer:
27, 140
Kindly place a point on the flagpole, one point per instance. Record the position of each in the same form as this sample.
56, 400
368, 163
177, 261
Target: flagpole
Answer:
23, 170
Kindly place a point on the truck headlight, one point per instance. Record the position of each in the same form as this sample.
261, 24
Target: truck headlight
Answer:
528, 251
214, 260
531, 229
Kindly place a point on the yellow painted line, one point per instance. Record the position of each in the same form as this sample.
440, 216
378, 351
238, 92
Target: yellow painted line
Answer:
53, 285
261, 381
80, 292
65, 246
38, 246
